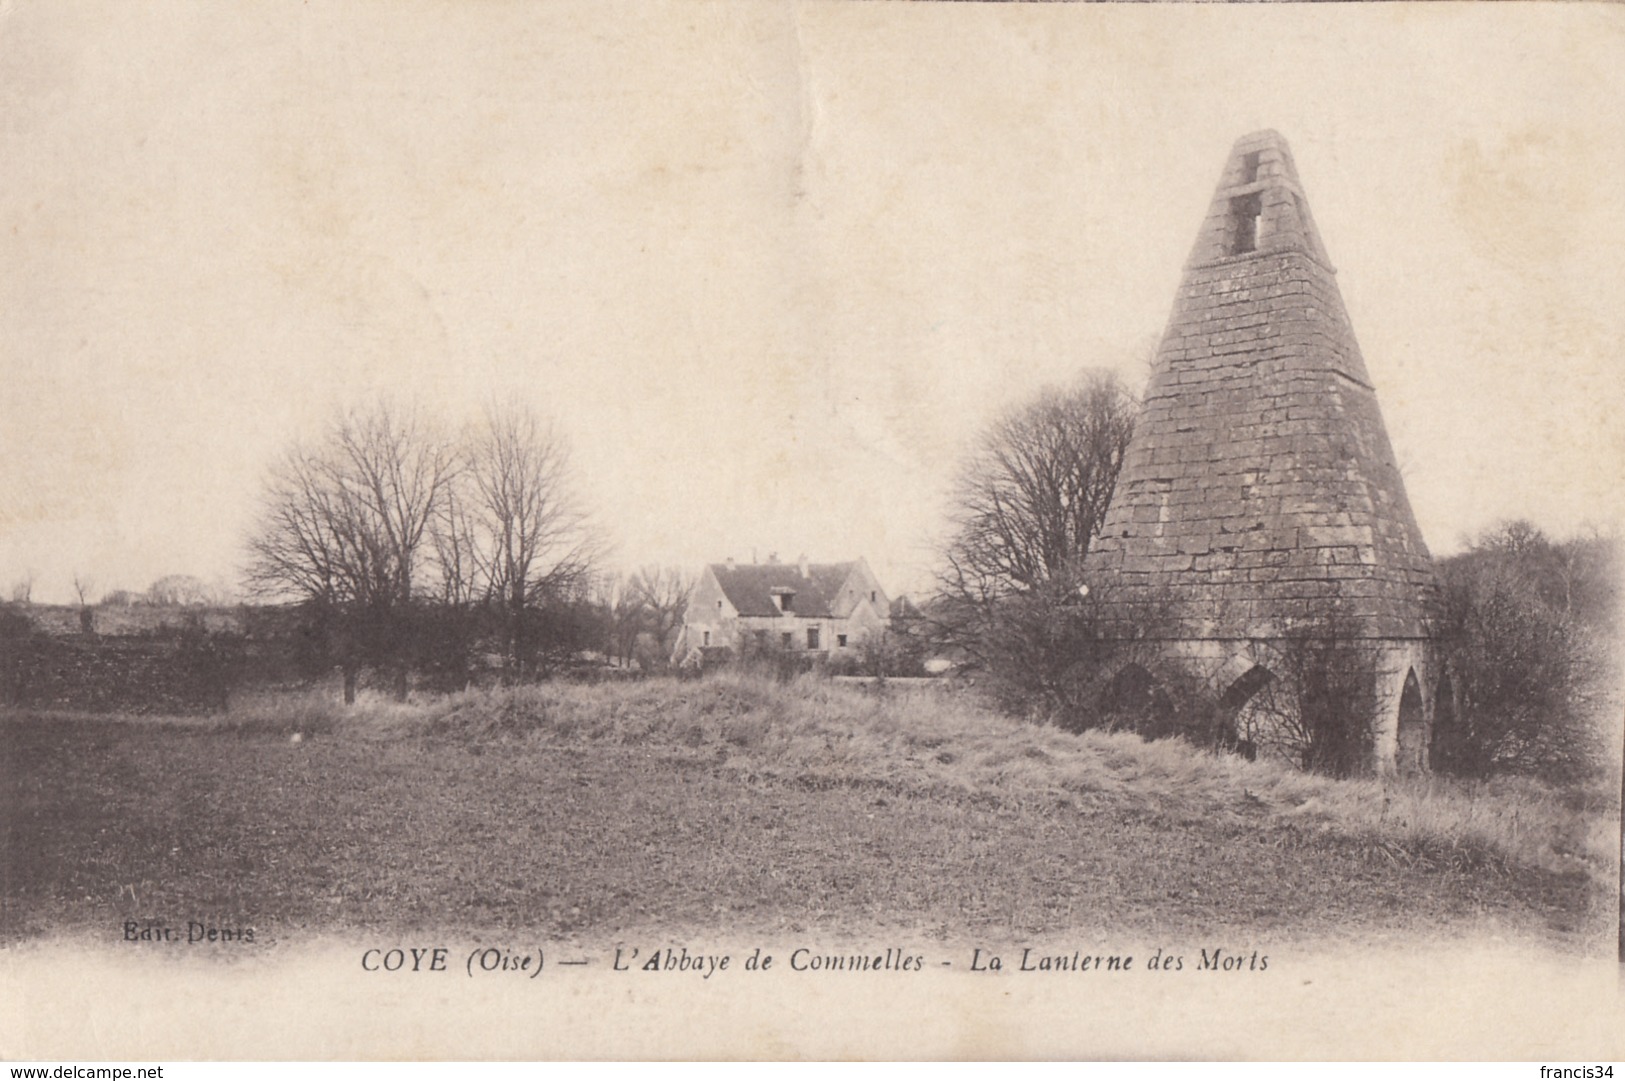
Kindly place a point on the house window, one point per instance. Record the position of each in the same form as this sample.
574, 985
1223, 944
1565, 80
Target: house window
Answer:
840, 641
719, 606
786, 639
707, 638
761, 639
871, 596
812, 637
787, 601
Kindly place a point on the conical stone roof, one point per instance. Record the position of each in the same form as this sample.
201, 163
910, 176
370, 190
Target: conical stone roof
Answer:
1260, 492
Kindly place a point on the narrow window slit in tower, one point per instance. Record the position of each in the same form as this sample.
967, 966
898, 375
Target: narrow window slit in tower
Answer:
1246, 214
1249, 167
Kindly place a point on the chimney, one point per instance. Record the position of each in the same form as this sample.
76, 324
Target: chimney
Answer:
801, 564
730, 562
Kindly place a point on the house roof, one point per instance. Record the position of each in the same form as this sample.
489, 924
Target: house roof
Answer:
749, 587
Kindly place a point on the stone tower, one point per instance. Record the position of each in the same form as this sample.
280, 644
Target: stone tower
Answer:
1259, 497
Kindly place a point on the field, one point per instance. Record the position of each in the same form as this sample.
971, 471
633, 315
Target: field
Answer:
736, 804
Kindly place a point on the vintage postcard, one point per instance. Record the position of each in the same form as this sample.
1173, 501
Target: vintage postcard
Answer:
810, 530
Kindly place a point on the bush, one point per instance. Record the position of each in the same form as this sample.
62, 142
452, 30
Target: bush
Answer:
1320, 709
1529, 627
1045, 652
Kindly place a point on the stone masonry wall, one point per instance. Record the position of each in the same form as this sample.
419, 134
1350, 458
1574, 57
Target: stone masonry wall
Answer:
1260, 490
1259, 499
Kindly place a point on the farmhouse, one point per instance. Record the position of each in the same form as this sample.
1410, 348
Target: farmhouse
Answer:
826, 609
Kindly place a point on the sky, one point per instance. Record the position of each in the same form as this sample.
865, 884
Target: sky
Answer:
770, 267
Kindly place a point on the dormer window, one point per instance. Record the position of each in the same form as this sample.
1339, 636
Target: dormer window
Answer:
784, 597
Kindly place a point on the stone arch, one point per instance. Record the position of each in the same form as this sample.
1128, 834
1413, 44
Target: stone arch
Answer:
1244, 687
1237, 662
1411, 751
1239, 729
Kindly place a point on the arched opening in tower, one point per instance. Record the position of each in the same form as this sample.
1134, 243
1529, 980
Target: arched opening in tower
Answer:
1411, 754
1134, 700
1247, 714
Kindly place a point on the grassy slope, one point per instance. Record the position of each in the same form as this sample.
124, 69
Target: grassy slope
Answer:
731, 804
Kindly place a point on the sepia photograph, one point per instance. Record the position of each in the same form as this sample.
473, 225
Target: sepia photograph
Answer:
792, 530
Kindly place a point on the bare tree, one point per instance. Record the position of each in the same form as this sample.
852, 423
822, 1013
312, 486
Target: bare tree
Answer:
642, 613
660, 595
512, 533
621, 616
1032, 497
83, 587
1011, 597
180, 590
344, 527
